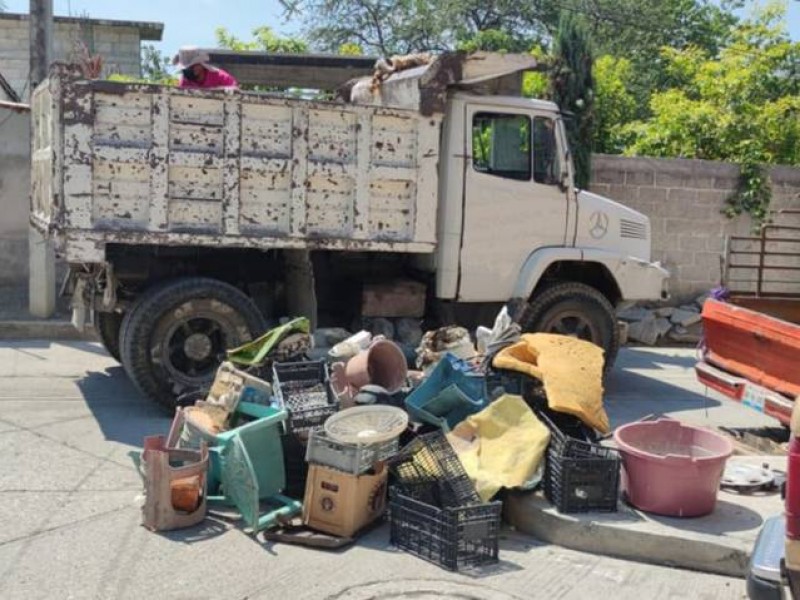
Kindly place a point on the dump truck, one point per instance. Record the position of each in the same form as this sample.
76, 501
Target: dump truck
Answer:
191, 218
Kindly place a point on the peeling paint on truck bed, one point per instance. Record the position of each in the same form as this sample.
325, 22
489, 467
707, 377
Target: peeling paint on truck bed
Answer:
146, 164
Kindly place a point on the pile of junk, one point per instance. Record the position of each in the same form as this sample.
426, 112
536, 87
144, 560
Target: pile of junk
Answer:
317, 452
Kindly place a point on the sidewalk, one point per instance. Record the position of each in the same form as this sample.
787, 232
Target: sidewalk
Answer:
16, 323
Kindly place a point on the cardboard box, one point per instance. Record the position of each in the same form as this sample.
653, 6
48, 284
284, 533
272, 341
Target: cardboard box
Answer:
341, 503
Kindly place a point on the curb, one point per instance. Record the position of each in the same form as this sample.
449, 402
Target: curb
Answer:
598, 533
44, 330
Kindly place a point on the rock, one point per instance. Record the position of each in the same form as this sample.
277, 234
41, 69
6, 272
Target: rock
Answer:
381, 326
663, 326
690, 308
665, 312
687, 335
685, 318
623, 326
645, 331
635, 313
701, 300
330, 336
409, 331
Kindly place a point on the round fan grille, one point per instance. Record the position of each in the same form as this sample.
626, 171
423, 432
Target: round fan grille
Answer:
366, 424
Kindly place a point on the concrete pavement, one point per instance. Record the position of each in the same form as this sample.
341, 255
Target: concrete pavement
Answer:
71, 425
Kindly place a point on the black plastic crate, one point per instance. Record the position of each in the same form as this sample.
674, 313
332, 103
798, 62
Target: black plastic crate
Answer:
304, 389
455, 538
294, 462
579, 476
429, 470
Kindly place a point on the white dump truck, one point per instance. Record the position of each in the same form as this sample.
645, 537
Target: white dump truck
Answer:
189, 219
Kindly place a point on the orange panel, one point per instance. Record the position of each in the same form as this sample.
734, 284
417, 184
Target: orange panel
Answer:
755, 346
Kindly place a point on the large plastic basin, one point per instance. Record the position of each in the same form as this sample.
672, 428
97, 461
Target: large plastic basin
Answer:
670, 468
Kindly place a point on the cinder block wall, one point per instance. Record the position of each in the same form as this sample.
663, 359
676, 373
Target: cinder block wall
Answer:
118, 45
685, 200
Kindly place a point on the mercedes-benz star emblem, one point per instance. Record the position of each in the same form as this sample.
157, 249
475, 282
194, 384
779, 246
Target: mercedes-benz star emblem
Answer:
598, 224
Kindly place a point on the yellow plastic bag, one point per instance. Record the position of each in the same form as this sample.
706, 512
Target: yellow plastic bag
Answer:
502, 446
571, 370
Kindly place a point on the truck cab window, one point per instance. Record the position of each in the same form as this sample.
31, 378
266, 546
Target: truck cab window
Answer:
501, 145
546, 164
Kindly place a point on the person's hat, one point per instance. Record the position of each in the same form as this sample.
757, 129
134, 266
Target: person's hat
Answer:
188, 56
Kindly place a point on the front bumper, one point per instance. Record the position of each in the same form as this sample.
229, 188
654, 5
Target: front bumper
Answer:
645, 280
764, 574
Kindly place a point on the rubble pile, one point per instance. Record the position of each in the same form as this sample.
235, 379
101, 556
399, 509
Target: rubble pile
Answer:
314, 451
664, 325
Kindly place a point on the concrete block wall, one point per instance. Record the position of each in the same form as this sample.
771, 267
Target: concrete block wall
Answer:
119, 45
685, 200
15, 166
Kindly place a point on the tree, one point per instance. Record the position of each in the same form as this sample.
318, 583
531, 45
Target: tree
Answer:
265, 39
155, 66
573, 89
614, 103
391, 27
742, 105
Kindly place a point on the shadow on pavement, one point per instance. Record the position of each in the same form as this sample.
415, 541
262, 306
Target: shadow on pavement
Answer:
209, 528
631, 394
726, 518
122, 412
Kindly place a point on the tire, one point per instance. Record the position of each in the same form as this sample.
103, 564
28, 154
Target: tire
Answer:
575, 309
108, 325
175, 336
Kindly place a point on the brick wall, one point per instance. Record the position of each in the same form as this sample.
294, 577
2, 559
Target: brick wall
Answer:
117, 41
684, 200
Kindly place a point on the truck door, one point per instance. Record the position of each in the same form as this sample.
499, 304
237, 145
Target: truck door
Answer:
513, 203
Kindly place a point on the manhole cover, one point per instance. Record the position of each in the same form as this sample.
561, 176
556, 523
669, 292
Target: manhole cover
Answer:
421, 589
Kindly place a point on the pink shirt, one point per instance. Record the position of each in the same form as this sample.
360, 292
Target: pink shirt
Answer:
215, 78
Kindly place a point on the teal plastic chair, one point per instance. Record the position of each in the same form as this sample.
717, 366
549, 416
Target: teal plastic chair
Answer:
246, 464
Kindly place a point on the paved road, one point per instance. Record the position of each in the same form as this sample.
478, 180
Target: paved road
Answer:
71, 425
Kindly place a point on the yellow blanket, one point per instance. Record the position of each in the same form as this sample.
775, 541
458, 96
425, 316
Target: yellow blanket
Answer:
571, 370
502, 446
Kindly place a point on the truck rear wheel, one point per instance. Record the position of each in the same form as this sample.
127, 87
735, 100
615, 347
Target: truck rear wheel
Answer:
175, 336
108, 325
577, 310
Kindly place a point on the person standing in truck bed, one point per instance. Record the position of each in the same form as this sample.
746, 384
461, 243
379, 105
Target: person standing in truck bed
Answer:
196, 72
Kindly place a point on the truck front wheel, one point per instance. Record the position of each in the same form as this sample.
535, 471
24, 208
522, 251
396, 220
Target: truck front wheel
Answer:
175, 336
577, 310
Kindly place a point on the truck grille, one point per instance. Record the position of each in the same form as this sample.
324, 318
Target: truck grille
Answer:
632, 229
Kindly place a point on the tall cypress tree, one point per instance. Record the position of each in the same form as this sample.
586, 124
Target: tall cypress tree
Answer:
573, 89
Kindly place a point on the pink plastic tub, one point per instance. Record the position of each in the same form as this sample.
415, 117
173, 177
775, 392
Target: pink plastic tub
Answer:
670, 468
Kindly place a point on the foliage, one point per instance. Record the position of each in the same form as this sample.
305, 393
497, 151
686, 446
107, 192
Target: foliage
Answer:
265, 39
614, 103
350, 49
391, 27
741, 106
573, 90
156, 67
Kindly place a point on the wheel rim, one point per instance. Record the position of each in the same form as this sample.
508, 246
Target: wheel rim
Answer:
572, 324
189, 343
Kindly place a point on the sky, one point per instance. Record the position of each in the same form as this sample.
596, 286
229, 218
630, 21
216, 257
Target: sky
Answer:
193, 22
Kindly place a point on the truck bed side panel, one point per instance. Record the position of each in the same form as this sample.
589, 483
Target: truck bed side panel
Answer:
156, 165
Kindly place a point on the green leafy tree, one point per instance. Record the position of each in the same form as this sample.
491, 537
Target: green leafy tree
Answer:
614, 103
573, 89
264, 39
389, 27
742, 105
155, 66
